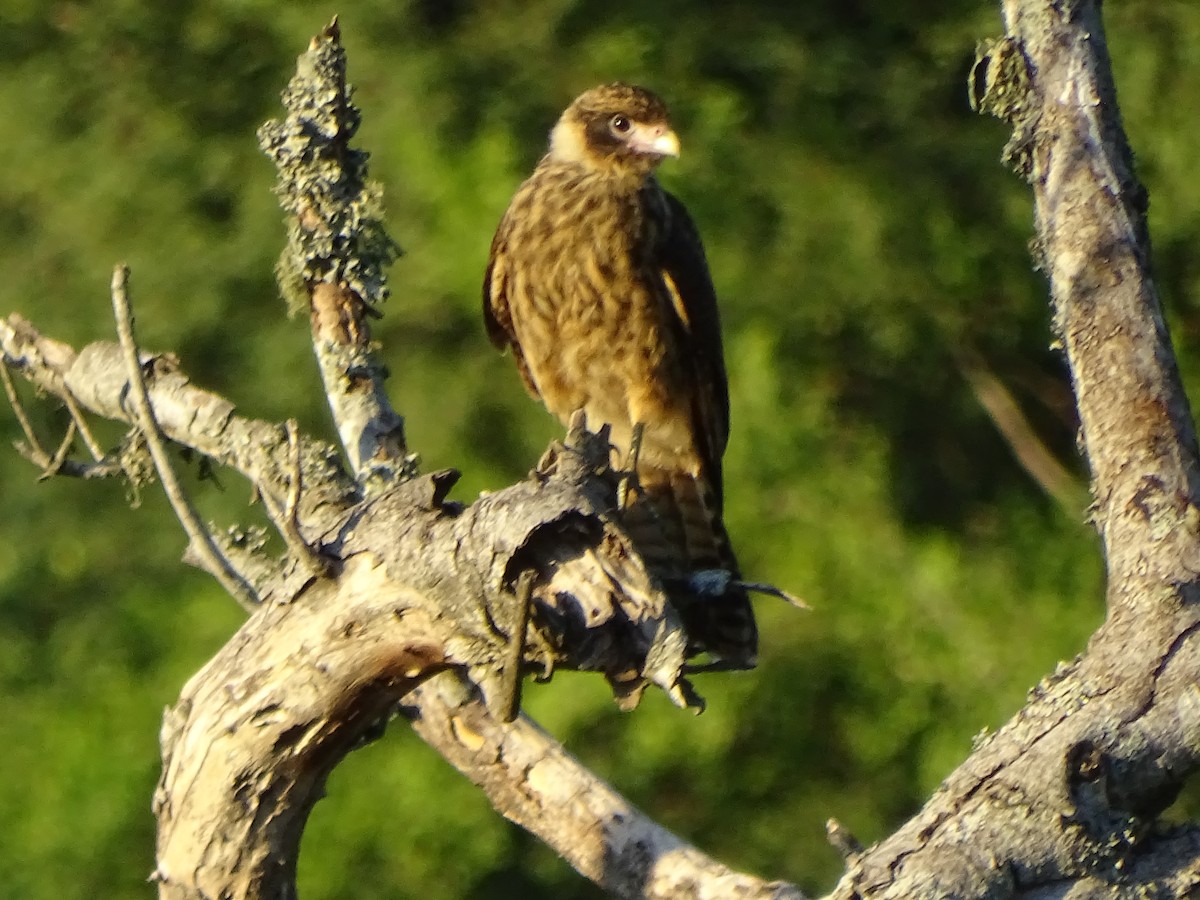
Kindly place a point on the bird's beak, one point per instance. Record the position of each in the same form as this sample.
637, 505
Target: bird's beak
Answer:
657, 140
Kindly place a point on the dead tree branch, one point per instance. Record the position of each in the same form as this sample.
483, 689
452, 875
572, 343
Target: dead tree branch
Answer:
1065, 799
440, 578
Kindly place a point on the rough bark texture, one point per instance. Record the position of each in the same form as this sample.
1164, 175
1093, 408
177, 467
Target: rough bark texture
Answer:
531, 779
1064, 801
256, 732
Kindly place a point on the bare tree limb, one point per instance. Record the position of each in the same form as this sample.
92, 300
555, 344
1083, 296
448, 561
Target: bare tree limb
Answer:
248, 747
532, 780
1064, 800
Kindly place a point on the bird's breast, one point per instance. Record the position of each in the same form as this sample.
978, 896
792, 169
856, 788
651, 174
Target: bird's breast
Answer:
590, 310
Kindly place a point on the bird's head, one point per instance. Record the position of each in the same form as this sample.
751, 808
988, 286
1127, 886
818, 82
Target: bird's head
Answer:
617, 128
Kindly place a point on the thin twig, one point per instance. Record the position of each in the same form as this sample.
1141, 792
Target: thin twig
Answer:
629, 480
34, 452
14, 401
210, 555
58, 464
295, 479
55, 464
1032, 454
71, 468
85, 432
715, 583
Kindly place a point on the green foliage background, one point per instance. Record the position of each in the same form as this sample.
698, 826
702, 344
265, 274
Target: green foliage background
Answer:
867, 245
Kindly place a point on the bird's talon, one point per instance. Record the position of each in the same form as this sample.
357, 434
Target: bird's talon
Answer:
628, 489
629, 479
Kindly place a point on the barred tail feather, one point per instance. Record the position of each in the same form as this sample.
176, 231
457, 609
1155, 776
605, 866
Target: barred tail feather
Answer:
675, 523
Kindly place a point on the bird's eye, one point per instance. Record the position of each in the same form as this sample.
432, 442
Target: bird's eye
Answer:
619, 124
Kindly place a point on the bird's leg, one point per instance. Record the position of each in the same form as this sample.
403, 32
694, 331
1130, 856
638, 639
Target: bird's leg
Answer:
635, 445
629, 480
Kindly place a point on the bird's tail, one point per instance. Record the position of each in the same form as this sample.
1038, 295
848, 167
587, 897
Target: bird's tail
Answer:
674, 521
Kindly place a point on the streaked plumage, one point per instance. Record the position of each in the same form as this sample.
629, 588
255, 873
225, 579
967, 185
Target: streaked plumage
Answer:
598, 283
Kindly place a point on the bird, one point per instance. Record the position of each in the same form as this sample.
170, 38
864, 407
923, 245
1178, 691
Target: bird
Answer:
598, 283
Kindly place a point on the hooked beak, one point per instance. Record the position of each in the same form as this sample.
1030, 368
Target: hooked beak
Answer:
656, 140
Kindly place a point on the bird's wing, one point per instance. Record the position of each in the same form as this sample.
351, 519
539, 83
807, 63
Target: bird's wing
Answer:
685, 274
497, 314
